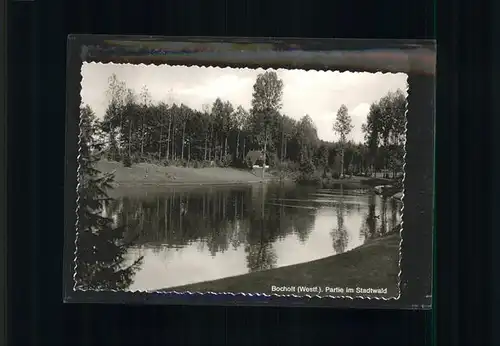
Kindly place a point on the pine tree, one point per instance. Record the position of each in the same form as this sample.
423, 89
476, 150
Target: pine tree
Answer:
100, 246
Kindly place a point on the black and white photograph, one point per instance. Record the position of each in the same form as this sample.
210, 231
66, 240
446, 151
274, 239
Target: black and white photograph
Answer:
231, 180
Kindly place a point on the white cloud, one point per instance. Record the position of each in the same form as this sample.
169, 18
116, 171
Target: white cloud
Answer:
317, 93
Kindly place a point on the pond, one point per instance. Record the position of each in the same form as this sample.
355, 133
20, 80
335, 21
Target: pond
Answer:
189, 235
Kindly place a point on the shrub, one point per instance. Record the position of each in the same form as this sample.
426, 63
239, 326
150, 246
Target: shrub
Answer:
307, 168
274, 160
307, 174
259, 162
127, 162
226, 160
113, 156
239, 163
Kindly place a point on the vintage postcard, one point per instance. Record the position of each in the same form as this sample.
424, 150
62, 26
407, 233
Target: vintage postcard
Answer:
195, 172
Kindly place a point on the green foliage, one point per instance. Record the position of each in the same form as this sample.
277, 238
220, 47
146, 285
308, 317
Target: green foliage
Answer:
127, 161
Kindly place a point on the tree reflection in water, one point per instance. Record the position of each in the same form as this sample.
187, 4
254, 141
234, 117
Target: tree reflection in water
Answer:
254, 221
259, 249
340, 237
216, 220
376, 222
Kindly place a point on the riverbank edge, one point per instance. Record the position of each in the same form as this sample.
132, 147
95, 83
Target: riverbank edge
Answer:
166, 176
374, 264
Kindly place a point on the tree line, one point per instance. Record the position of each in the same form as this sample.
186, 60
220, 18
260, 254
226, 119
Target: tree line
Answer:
135, 129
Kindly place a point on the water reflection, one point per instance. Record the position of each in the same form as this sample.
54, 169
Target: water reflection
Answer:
188, 235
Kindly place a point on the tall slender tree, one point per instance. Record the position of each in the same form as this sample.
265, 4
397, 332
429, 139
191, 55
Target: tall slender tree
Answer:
343, 126
266, 103
241, 116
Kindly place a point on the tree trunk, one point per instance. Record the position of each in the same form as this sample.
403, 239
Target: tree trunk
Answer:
183, 138
142, 135
216, 149
210, 150
173, 144
342, 162
244, 148
264, 158
206, 148
120, 149
189, 151
221, 148
282, 154
225, 147
129, 138
237, 144
350, 162
159, 143
168, 138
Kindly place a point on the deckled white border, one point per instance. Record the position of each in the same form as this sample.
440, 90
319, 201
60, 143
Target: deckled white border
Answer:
77, 288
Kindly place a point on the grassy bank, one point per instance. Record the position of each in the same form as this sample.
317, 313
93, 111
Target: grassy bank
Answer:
148, 173
372, 265
152, 174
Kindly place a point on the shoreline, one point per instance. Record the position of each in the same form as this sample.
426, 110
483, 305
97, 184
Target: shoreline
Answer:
188, 183
148, 174
151, 176
374, 264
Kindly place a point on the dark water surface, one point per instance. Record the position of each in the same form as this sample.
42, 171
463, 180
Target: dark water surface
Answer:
187, 235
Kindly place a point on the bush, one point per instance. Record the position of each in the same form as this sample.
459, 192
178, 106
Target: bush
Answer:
239, 163
312, 180
307, 174
274, 160
259, 162
226, 160
113, 156
307, 168
127, 162
328, 183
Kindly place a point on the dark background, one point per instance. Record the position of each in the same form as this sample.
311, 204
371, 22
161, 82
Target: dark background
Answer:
37, 61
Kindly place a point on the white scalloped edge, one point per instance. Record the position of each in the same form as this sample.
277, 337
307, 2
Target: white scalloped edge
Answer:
164, 292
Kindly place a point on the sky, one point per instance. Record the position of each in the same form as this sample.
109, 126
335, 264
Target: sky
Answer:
317, 93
